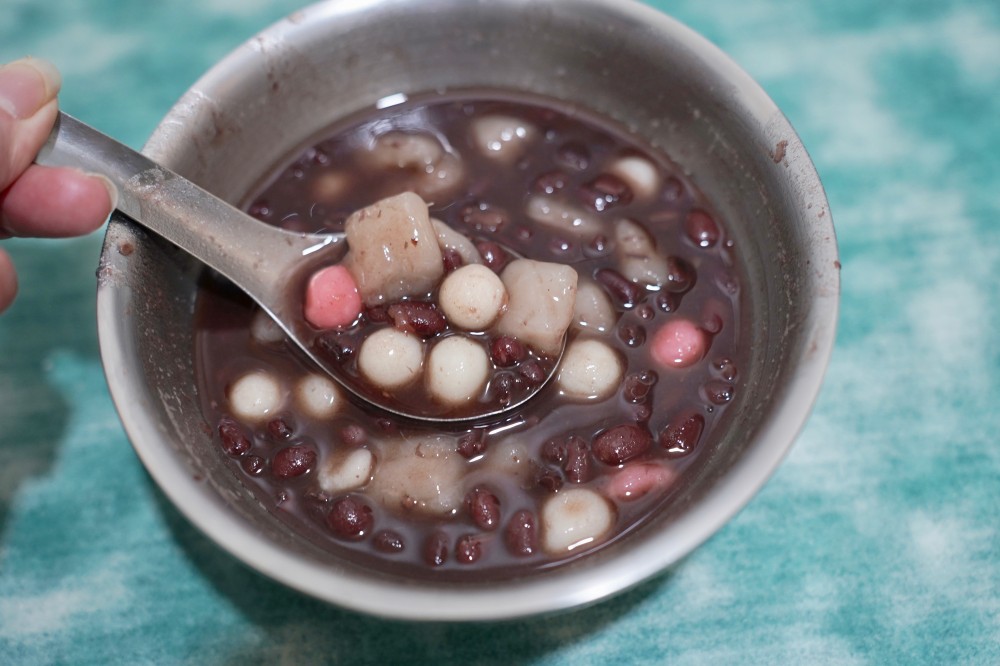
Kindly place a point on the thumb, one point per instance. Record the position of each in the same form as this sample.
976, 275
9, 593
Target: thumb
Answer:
28, 90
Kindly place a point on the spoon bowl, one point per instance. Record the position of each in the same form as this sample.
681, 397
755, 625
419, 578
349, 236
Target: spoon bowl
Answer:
261, 260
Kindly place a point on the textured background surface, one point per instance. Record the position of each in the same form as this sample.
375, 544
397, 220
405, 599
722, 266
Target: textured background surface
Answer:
876, 541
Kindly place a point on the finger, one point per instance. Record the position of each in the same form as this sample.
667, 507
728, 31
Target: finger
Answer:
28, 90
8, 281
54, 202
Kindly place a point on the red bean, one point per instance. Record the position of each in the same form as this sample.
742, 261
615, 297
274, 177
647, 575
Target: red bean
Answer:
378, 314
252, 465
718, 392
472, 444
621, 443
418, 317
573, 155
336, 346
436, 549
234, 440
279, 429
389, 541
507, 351
554, 451
606, 191
597, 246
451, 259
577, 466
494, 256
550, 182
681, 436
668, 301
350, 518
620, 287
521, 534
484, 508
673, 189
468, 549
637, 385
505, 384
701, 228
292, 461
680, 275
726, 368
632, 334
353, 435
641, 412
532, 372
549, 480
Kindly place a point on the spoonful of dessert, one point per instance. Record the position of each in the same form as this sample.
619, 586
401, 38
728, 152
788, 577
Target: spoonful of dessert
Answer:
402, 311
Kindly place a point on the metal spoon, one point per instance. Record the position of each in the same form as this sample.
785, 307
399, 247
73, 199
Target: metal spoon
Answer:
259, 259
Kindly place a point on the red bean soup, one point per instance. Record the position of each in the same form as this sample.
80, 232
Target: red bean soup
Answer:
622, 254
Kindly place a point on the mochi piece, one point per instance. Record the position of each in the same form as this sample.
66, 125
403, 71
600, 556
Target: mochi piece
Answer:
561, 216
393, 250
422, 474
575, 518
594, 310
449, 239
432, 171
635, 251
541, 301
404, 150
639, 174
590, 370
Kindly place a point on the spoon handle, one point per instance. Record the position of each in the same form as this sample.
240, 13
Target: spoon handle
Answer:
255, 256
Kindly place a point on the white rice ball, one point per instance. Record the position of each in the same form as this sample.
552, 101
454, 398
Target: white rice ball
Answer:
264, 330
255, 396
457, 369
575, 518
590, 370
472, 297
389, 358
318, 396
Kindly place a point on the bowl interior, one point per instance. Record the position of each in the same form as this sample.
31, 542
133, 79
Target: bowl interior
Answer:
277, 93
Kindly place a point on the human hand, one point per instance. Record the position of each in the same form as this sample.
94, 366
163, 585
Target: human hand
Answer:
49, 202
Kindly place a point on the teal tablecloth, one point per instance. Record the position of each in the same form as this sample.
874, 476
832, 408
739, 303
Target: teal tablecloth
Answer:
876, 541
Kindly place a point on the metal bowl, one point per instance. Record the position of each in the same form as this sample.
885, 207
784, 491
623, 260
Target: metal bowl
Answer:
276, 93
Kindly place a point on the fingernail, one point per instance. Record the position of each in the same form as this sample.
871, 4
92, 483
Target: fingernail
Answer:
26, 86
112, 190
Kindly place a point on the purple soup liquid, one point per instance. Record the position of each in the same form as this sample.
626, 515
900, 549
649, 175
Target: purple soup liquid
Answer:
495, 531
